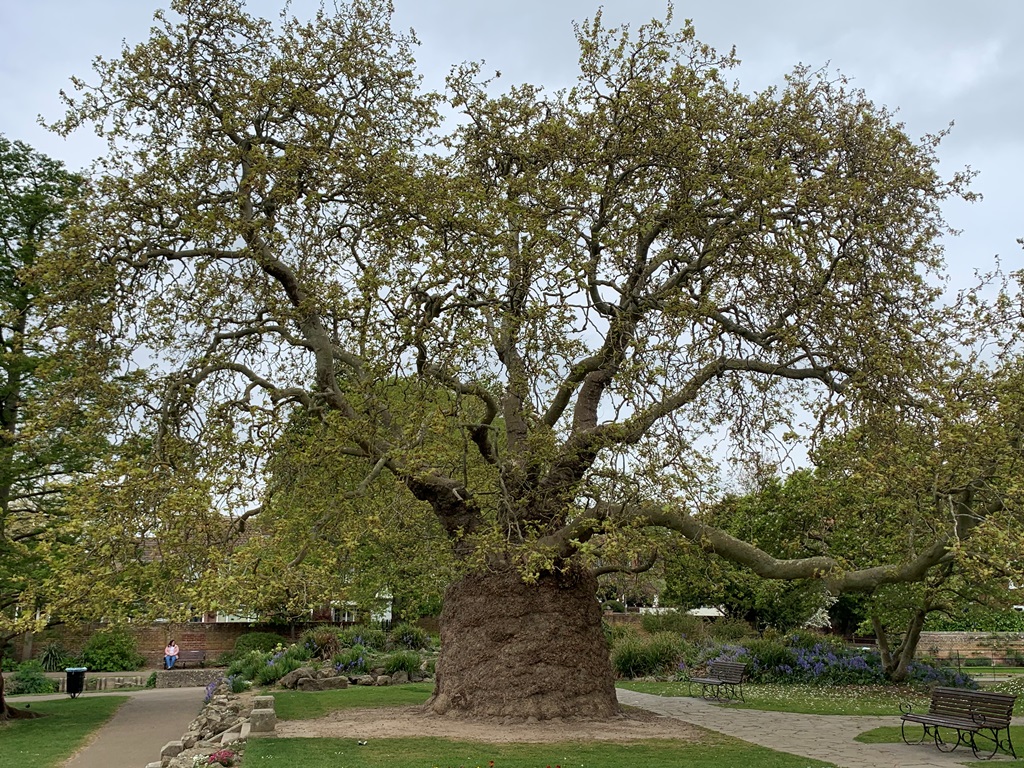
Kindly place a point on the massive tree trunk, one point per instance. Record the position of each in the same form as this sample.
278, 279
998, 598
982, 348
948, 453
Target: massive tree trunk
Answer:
511, 649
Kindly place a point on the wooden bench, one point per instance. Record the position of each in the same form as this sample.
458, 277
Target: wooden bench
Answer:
722, 677
194, 657
970, 714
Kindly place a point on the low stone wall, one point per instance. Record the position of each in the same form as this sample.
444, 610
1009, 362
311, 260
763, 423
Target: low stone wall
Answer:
1001, 647
187, 678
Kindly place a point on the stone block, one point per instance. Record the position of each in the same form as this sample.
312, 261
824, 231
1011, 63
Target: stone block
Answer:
262, 721
262, 702
323, 684
172, 749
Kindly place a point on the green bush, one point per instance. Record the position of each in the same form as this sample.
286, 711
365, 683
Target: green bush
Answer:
979, 661
53, 657
409, 636
692, 627
151, 680
728, 629
29, 677
767, 656
238, 684
620, 631
248, 664
614, 606
258, 641
265, 668
641, 656
323, 641
358, 634
112, 650
402, 660
808, 639
351, 661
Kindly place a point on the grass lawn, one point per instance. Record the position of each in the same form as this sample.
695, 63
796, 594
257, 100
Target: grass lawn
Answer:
45, 742
805, 699
298, 705
716, 752
892, 736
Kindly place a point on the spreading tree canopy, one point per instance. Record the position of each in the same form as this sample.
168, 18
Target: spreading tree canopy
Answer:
534, 314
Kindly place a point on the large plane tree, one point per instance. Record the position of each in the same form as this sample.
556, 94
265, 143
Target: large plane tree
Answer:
537, 314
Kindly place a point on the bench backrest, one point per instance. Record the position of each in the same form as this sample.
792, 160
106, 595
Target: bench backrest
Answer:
995, 708
728, 671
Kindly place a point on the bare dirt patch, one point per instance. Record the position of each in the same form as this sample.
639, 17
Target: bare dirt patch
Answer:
401, 722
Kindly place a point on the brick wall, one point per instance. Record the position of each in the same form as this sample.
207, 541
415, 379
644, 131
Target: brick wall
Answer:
151, 638
998, 646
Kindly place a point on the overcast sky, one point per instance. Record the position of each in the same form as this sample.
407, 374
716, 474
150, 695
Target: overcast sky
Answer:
936, 61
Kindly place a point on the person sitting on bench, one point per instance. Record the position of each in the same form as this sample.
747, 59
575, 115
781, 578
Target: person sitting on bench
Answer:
170, 654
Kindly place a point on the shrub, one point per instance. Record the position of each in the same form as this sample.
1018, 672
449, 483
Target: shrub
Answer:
368, 637
258, 641
638, 656
53, 657
268, 668
614, 606
237, 684
729, 629
402, 660
111, 650
691, 627
29, 677
978, 661
151, 680
323, 641
352, 661
619, 631
767, 657
409, 636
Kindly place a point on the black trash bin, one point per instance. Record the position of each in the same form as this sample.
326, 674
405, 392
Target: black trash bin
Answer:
76, 680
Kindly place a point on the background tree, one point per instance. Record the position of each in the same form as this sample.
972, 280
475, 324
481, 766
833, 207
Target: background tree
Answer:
50, 405
574, 283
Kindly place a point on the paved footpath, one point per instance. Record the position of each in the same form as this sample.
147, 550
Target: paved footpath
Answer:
823, 737
137, 732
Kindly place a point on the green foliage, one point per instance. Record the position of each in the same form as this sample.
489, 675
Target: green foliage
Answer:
266, 667
727, 629
248, 664
439, 400
277, 665
112, 650
402, 660
238, 684
976, 620
692, 628
977, 661
614, 606
258, 641
369, 637
323, 641
768, 654
151, 680
352, 661
53, 657
643, 656
409, 636
30, 678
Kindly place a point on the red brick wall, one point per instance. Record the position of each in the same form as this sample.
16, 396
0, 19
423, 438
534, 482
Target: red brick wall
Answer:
151, 638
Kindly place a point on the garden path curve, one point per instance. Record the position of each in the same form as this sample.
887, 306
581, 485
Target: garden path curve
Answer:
823, 737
